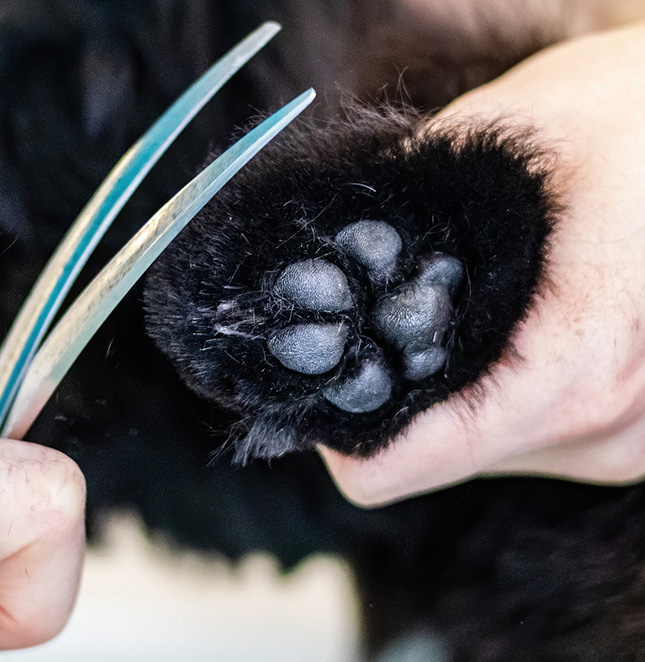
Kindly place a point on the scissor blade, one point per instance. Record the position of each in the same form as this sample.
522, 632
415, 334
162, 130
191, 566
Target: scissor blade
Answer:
46, 297
100, 297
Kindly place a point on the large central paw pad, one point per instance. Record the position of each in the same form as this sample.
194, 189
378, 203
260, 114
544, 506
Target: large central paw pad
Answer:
416, 316
410, 322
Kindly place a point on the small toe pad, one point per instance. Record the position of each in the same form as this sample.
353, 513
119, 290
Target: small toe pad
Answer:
315, 285
423, 362
309, 348
441, 270
374, 244
365, 391
415, 314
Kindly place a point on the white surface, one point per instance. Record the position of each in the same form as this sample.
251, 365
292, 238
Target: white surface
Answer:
142, 603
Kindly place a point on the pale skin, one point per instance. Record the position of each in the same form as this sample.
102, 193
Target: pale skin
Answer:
571, 403
42, 542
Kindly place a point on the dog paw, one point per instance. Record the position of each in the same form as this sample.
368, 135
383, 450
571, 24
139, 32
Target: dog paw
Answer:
350, 278
409, 323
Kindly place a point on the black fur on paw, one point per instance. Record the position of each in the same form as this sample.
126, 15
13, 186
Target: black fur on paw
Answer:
353, 275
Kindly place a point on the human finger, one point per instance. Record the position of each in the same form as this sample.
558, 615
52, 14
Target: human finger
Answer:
42, 541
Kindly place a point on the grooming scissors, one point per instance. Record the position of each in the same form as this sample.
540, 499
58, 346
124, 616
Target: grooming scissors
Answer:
30, 369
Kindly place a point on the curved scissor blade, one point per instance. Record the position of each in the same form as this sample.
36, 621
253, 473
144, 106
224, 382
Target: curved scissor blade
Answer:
100, 297
46, 297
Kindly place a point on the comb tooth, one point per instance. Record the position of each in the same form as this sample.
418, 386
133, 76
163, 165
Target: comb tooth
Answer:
46, 297
100, 297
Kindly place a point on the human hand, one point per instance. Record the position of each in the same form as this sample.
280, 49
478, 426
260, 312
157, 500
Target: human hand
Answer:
42, 541
568, 397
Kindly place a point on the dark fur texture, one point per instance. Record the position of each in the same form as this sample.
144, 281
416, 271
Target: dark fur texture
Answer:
288, 205
504, 570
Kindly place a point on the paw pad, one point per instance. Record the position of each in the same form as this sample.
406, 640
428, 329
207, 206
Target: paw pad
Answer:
416, 316
311, 349
363, 392
374, 244
412, 320
315, 285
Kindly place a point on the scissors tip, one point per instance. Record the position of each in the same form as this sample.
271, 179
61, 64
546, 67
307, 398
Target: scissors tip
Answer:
304, 99
271, 26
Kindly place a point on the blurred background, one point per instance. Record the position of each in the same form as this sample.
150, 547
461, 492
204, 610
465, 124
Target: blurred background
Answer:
143, 601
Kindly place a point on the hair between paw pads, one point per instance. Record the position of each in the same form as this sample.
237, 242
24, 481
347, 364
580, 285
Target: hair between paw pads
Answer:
352, 276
